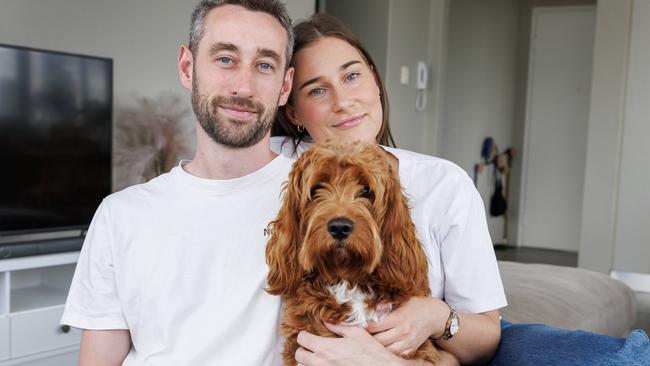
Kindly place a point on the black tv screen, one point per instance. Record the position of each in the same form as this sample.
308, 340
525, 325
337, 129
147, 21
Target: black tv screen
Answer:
55, 138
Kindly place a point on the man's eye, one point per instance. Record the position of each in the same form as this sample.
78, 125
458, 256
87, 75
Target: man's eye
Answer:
225, 60
266, 66
316, 92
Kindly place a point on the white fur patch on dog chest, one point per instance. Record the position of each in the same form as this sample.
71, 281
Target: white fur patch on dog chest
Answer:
360, 314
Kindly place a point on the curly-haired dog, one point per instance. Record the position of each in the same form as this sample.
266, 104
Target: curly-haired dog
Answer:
343, 244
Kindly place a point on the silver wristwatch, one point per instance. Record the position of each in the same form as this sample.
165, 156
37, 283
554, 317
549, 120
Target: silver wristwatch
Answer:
452, 326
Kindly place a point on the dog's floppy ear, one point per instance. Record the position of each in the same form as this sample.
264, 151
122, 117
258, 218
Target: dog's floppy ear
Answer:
284, 245
403, 267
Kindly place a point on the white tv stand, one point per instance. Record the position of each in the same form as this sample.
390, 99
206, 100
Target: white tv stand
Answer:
33, 291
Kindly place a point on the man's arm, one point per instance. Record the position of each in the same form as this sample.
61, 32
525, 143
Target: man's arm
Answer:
104, 347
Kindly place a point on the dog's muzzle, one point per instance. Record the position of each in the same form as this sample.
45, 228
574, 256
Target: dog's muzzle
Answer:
340, 228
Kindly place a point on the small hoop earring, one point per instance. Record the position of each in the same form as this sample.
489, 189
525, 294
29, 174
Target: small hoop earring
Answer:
301, 128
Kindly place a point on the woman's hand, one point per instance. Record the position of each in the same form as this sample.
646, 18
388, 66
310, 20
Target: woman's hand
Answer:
404, 329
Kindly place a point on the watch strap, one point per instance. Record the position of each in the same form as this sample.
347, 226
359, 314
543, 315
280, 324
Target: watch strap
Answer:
453, 318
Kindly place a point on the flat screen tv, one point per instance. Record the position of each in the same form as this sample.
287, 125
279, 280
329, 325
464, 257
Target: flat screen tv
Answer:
55, 139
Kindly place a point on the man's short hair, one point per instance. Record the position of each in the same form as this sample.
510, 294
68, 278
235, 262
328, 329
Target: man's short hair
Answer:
275, 8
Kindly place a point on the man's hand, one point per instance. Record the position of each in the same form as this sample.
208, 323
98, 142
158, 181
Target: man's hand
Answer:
356, 347
404, 329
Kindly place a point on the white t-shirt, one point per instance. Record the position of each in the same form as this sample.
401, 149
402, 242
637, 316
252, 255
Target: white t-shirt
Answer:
179, 261
450, 222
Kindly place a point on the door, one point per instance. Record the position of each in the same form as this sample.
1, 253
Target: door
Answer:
555, 137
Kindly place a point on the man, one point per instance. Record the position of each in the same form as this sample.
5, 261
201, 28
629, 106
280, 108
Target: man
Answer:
172, 272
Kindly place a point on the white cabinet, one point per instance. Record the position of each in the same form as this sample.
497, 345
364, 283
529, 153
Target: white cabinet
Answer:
60, 359
33, 291
39, 330
4, 338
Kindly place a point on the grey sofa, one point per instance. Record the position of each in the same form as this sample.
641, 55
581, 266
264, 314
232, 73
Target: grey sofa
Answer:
566, 297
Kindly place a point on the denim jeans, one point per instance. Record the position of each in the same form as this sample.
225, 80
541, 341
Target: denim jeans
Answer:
540, 345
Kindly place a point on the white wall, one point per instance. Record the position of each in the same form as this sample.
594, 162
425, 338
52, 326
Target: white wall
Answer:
479, 96
371, 29
480, 81
300, 9
604, 141
632, 238
615, 230
438, 44
142, 37
410, 40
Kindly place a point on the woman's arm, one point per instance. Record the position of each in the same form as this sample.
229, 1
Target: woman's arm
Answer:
477, 339
412, 323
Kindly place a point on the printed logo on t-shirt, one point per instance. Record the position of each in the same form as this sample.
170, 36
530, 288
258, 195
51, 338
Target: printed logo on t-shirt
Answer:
268, 230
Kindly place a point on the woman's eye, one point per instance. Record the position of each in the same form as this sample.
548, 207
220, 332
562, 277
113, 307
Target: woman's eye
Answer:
316, 92
352, 76
365, 192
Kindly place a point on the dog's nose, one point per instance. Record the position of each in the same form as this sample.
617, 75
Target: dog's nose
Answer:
339, 228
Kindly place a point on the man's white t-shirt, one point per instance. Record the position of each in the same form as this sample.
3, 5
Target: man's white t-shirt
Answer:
179, 261
449, 217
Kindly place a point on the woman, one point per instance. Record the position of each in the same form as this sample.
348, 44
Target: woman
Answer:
337, 94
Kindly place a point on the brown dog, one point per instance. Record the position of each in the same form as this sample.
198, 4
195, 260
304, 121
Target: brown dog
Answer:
343, 244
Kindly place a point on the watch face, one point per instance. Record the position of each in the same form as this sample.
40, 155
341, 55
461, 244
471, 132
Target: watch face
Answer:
453, 328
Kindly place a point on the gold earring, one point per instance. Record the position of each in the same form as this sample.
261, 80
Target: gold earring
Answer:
301, 128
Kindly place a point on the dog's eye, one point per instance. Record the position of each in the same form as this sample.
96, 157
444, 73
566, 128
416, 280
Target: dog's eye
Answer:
314, 189
365, 192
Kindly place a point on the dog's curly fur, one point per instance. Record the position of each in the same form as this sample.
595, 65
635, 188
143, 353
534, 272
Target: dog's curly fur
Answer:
381, 255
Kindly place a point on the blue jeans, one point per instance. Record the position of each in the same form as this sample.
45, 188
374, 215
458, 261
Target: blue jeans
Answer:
540, 345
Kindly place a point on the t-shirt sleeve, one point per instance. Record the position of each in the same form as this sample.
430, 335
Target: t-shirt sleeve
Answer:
93, 301
472, 280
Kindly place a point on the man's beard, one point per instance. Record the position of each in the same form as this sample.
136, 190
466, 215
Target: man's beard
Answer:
228, 131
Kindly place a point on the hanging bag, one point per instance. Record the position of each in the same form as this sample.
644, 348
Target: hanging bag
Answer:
498, 204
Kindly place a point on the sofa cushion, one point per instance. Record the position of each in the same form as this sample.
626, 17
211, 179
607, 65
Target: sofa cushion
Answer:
567, 297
